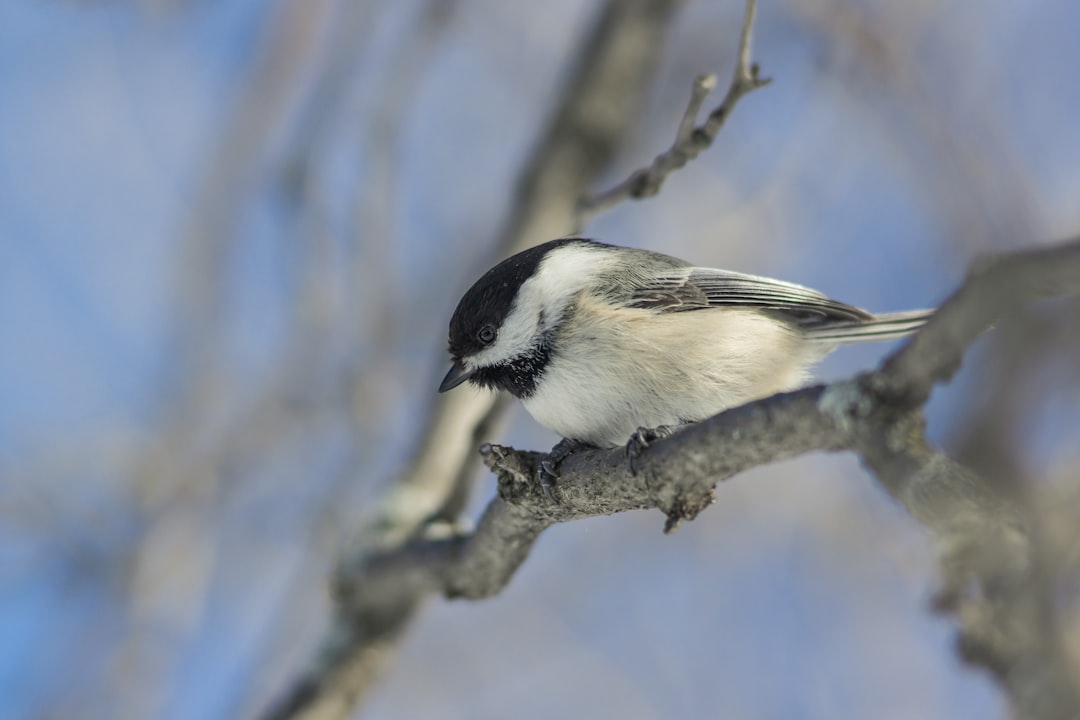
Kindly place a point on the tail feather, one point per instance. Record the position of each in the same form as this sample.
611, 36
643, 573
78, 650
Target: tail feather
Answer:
887, 326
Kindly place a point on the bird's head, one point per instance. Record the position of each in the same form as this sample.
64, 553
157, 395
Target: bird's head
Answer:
502, 332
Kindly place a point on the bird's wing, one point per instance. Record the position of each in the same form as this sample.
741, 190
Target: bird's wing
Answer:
695, 288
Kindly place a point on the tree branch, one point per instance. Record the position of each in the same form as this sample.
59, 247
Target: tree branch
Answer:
997, 288
691, 139
986, 560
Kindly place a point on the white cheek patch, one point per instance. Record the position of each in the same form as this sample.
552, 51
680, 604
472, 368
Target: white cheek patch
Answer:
515, 337
561, 276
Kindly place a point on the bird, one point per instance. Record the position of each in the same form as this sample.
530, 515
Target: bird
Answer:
605, 344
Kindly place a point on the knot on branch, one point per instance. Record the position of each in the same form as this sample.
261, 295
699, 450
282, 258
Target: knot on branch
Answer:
680, 502
686, 506
848, 403
643, 184
515, 471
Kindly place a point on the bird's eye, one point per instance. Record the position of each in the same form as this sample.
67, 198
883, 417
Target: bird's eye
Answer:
486, 335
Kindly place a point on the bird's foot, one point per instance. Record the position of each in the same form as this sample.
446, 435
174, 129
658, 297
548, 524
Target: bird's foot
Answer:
549, 465
643, 438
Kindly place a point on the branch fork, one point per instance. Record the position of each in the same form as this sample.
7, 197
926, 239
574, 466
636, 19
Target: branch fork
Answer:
691, 139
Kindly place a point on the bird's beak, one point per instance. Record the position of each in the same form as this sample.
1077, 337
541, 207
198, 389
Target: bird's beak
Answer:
457, 375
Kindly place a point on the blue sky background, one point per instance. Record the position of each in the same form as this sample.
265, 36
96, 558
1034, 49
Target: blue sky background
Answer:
185, 443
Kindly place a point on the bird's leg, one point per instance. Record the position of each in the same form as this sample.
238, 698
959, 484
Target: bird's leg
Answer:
547, 473
643, 438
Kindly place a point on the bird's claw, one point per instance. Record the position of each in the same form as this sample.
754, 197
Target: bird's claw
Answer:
547, 477
643, 438
547, 473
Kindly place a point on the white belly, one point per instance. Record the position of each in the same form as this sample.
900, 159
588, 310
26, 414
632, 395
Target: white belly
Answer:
632, 368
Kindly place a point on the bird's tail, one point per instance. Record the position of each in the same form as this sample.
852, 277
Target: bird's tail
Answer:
887, 326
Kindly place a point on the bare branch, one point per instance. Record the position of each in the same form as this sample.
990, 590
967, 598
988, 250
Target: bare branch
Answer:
703, 85
997, 288
691, 139
990, 575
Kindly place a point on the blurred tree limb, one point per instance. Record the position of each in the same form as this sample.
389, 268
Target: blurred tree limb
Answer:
990, 576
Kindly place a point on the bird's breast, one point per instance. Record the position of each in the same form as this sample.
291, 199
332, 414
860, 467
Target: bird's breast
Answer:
615, 369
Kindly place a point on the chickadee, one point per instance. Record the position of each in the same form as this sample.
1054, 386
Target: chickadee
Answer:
599, 341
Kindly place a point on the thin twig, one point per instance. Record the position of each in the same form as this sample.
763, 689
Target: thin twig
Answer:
691, 138
703, 85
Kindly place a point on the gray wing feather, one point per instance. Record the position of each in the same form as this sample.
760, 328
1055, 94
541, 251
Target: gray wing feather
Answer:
700, 288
